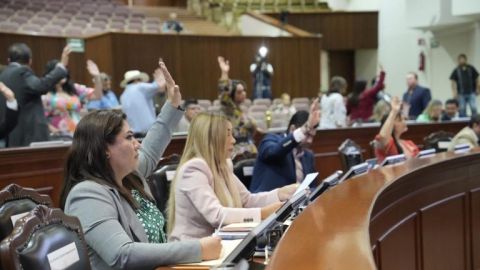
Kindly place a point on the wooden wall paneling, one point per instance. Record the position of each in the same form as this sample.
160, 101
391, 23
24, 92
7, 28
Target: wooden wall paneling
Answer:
100, 50
342, 63
475, 227
193, 61
397, 248
443, 234
340, 30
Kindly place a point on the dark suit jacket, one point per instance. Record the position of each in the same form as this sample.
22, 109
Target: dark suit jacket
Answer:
275, 165
9, 123
32, 124
418, 100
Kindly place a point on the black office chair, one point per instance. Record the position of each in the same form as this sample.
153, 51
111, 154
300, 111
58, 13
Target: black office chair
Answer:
243, 169
159, 183
45, 239
16, 201
439, 141
350, 154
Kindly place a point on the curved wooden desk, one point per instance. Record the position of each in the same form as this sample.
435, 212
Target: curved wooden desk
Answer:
423, 214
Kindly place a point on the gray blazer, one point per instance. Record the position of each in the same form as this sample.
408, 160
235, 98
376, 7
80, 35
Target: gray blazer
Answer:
115, 237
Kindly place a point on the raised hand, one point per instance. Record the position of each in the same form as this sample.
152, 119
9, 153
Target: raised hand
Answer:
396, 104
173, 90
223, 64
314, 115
160, 79
92, 68
65, 55
7, 92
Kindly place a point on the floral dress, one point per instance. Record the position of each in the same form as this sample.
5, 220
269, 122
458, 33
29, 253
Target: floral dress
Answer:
63, 110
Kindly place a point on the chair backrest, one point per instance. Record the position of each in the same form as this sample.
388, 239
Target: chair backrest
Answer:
262, 101
16, 202
160, 183
350, 154
439, 140
243, 169
45, 239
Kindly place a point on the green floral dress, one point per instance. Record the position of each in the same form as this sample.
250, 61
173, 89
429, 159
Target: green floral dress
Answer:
151, 219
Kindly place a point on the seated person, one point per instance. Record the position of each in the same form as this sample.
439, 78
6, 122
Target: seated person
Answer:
108, 100
285, 107
205, 190
172, 25
468, 135
105, 188
284, 159
388, 142
451, 110
433, 112
191, 109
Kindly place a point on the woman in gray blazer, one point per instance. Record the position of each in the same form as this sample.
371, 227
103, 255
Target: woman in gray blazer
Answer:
105, 188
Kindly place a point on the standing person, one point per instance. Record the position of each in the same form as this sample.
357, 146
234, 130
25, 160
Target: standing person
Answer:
32, 124
465, 85
105, 188
11, 113
361, 101
285, 159
64, 103
417, 97
205, 190
232, 96
137, 98
262, 72
108, 100
333, 110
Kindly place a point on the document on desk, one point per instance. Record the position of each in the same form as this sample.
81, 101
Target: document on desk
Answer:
306, 182
227, 247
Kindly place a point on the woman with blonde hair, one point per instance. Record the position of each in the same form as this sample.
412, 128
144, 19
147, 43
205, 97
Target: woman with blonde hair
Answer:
433, 112
205, 191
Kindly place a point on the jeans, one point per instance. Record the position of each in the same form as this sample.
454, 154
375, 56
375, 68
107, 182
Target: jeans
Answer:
471, 100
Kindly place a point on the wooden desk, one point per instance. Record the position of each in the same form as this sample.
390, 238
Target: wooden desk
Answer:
42, 168
423, 214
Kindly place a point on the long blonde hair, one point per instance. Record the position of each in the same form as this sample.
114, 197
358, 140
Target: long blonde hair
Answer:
207, 139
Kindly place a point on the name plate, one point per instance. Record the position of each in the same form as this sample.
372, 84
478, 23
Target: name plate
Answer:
63, 257
248, 171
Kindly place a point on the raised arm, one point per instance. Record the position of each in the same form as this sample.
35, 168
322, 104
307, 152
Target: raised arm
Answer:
97, 80
160, 134
379, 84
387, 128
11, 115
224, 68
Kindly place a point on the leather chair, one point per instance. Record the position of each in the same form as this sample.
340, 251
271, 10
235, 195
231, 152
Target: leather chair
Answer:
45, 239
15, 201
243, 169
159, 183
350, 154
439, 140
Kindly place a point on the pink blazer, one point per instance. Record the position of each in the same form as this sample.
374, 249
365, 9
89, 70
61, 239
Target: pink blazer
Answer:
198, 212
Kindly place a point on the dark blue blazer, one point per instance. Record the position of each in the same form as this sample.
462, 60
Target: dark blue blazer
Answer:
275, 164
419, 100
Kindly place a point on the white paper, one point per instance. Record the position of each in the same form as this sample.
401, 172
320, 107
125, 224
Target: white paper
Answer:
170, 175
305, 183
444, 145
227, 247
248, 171
16, 217
63, 257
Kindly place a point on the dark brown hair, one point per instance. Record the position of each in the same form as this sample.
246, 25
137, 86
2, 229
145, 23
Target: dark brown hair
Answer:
87, 158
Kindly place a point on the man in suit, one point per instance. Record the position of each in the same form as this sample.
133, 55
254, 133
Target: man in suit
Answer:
284, 159
417, 97
32, 124
468, 135
11, 114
